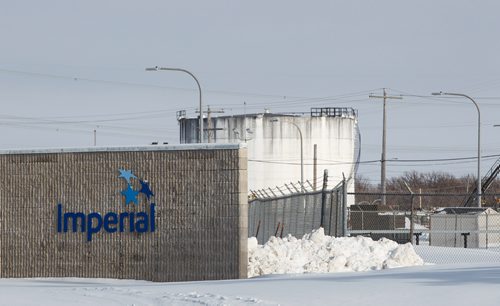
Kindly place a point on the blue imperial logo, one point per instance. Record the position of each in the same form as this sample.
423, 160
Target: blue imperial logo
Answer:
111, 222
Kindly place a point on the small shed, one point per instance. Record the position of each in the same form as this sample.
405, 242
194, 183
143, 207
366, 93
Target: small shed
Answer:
450, 227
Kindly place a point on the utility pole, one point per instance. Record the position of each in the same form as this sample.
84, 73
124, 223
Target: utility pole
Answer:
315, 166
210, 129
412, 214
383, 158
420, 198
245, 121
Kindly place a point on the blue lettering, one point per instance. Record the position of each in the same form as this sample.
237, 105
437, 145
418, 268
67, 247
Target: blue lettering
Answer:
110, 219
152, 214
142, 224
122, 216
131, 223
59, 218
75, 217
91, 228
112, 222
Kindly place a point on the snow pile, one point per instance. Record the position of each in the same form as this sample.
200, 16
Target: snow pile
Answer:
316, 252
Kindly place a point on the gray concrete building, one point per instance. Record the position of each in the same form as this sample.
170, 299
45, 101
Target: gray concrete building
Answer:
160, 213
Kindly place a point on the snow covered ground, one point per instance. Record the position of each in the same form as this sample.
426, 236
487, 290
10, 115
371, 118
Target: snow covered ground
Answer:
462, 283
466, 284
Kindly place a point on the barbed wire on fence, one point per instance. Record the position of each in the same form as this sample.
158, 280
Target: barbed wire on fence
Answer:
310, 185
297, 212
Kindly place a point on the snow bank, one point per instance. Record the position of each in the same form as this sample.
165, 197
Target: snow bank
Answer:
316, 252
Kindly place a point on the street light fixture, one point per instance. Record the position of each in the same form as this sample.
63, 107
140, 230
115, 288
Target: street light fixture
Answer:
156, 68
479, 185
301, 152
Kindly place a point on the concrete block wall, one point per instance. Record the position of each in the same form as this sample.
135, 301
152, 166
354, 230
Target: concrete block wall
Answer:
201, 217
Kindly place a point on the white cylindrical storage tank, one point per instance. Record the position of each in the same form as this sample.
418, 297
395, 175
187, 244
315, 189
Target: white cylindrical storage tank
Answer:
273, 142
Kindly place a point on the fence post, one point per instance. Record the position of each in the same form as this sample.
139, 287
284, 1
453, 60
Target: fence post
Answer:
338, 214
331, 212
456, 226
394, 219
323, 198
315, 165
479, 235
412, 224
344, 206
412, 221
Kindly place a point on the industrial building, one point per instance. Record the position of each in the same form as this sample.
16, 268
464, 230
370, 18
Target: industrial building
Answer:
274, 143
159, 213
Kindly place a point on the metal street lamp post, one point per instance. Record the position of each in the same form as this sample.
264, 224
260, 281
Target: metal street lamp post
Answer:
301, 153
479, 185
156, 68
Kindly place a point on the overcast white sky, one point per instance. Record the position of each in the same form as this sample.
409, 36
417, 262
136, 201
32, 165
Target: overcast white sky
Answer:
69, 67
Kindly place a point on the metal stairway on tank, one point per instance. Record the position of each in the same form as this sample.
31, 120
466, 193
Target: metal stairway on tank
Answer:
485, 182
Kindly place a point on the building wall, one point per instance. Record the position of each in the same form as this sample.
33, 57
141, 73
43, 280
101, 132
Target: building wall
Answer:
489, 222
447, 229
452, 226
200, 193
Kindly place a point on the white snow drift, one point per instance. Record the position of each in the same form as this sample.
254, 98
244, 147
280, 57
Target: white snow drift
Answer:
316, 252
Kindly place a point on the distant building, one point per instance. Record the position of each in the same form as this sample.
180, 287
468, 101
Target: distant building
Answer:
450, 226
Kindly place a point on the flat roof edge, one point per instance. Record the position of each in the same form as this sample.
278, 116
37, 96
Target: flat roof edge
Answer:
149, 148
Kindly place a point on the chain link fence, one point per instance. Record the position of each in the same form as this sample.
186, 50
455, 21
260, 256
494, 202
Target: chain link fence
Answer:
298, 214
445, 234
440, 230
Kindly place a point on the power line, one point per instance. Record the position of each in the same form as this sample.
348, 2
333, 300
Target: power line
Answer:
285, 98
331, 162
443, 159
75, 78
341, 98
452, 100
